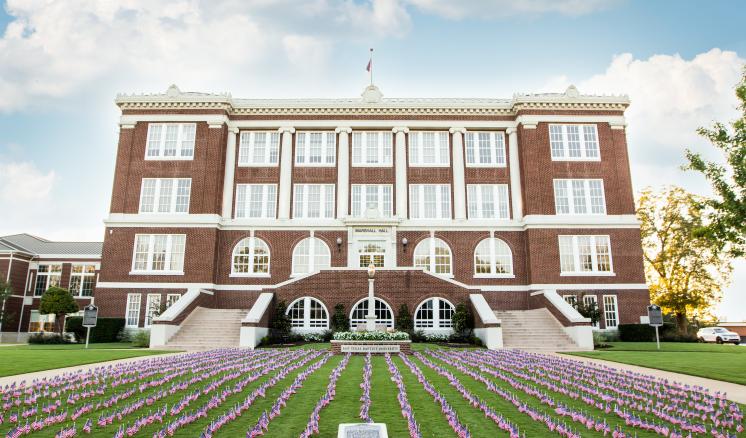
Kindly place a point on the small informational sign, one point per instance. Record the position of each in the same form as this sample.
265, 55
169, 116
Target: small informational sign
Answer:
372, 230
370, 348
655, 315
362, 430
90, 316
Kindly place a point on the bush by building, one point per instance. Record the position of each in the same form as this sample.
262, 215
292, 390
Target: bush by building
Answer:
106, 330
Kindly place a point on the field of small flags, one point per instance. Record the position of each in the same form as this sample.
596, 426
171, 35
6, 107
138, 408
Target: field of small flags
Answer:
308, 392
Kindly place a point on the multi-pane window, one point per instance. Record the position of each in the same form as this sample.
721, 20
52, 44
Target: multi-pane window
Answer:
256, 201
259, 148
435, 313
165, 195
428, 149
310, 255
579, 196
313, 148
485, 149
41, 323
372, 148
82, 279
133, 310
152, 308
591, 300
434, 255
429, 201
365, 196
574, 142
371, 253
171, 299
493, 258
571, 299
251, 258
47, 276
585, 254
313, 201
487, 201
308, 313
170, 141
384, 315
611, 315
159, 253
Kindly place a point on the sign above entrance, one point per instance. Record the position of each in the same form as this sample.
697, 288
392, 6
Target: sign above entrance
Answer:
371, 230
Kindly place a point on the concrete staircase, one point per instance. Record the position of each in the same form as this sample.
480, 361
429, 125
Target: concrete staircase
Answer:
206, 329
535, 329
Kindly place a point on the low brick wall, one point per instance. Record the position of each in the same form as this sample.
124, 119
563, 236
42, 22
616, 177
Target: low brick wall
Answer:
404, 346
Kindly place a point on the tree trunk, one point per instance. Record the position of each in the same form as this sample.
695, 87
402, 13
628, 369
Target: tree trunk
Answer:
681, 323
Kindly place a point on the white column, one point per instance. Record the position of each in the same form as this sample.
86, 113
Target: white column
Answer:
515, 174
286, 172
459, 180
371, 316
400, 147
229, 174
343, 171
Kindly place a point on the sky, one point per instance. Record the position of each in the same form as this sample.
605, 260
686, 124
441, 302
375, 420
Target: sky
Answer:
62, 63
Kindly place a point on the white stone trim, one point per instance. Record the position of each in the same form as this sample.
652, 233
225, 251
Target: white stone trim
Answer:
516, 196
229, 174
259, 308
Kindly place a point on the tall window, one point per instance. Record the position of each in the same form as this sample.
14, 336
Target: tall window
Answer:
256, 201
372, 148
165, 195
579, 196
376, 196
435, 313
574, 142
133, 310
152, 308
371, 252
308, 313
384, 315
170, 141
314, 148
313, 201
310, 255
493, 258
429, 201
434, 255
571, 299
82, 279
251, 258
585, 254
47, 276
487, 201
259, 148
485, 149
163, 253
428, 149
41, 323
611, 315
171, 299
589, 300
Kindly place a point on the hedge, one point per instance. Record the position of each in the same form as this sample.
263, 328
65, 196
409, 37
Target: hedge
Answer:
106, 330
636, 333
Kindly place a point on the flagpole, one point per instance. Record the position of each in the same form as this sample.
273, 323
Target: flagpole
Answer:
371, 66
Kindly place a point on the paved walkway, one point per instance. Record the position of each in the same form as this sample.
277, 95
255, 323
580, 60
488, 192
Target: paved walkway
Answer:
733, 391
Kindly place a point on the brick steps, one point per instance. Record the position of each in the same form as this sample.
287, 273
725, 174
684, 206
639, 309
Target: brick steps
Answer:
205, 329
534, 329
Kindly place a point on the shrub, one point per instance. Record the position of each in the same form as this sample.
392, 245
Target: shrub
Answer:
371, 336
404, 319
141, 339
463, 323
49, 339
281, 324
106, 330
340, 322
418, 336
636, 333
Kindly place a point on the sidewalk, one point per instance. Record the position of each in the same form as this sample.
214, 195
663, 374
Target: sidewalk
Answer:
733, 391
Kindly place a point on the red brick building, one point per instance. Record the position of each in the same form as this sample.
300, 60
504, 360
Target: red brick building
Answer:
518, 201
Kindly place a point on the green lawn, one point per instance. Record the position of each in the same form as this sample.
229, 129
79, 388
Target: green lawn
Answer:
29, 358
719, 362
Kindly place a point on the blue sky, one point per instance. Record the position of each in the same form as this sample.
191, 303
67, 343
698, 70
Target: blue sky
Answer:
62, 63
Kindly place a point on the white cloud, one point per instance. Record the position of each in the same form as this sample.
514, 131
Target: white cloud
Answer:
504, 8
23, 183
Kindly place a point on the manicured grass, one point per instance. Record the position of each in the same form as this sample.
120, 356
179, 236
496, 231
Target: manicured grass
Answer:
719, 362
30, 358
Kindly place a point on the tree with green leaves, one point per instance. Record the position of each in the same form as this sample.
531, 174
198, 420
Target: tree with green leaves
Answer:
463, 321
404, 319
686, 271
588, 309
281, 324
59, 302
340, 322
5, 292
728, 179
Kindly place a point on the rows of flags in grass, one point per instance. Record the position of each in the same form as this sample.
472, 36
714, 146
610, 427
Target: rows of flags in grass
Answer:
166, 396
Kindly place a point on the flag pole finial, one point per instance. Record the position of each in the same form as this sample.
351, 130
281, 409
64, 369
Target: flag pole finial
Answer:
370, 66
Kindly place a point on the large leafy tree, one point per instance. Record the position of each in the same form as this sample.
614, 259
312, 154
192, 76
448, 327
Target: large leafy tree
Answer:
685, 271
5, 292
59, 302
728, 179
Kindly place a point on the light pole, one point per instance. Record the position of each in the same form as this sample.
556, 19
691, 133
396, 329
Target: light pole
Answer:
371, 316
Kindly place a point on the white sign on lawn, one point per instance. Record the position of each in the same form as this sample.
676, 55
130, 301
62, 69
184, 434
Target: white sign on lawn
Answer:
370, 348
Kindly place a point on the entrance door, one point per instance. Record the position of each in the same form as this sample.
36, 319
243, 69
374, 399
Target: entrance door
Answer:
371, 251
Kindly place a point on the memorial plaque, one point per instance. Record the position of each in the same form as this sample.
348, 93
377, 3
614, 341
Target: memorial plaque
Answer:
370, 348
90, 316
655, 316
362, 430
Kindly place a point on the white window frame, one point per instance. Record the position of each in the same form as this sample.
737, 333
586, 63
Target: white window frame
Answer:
83, 275
42, 321
570, 299
431, 243
132, 310
436, 323
314, 243
171, 299
172, 198
308, 324
182, 137
324, 204
268, 202
46, 276
417, 194
594, 256
170, 246
359, 200
500, 196
362, 244
441, 146
303, 149
583, 140
612, 300
150, 301
498, 158
568, 186
252, 263
385, 149
246, 145
591, 297
492, 243
388, 322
